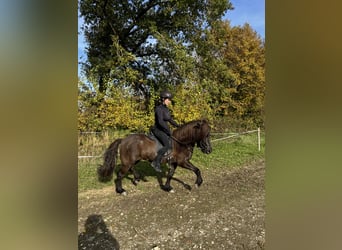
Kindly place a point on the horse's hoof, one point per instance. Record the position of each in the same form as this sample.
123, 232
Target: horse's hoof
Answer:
196, 185
187, 187
167, 188
121, 191
172, 191
124, 193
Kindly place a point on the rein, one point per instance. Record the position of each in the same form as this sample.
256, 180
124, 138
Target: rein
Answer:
188, 146
181, 143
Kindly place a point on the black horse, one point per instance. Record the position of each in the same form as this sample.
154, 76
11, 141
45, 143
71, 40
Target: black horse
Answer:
136, 147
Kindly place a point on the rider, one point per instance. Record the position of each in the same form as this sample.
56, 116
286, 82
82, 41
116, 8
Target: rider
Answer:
161, 129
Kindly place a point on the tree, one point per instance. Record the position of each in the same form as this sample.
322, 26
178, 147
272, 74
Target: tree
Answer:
245, 56
231, 63
139, 43
138, 47
117, 110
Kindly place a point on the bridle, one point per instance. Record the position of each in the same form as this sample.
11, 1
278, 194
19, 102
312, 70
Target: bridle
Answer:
188, 145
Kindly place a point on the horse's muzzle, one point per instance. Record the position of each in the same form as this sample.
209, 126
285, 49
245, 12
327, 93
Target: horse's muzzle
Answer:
205, 146
206, 150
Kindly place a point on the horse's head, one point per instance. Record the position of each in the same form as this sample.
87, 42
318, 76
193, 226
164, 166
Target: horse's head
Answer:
195, 132
203, 141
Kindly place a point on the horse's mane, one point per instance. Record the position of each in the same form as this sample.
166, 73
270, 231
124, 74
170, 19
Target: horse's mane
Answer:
187, 131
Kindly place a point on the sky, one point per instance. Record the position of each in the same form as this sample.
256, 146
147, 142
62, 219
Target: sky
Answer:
245, 11
248, 11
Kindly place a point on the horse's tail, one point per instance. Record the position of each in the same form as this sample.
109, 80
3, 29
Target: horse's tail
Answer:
105, 171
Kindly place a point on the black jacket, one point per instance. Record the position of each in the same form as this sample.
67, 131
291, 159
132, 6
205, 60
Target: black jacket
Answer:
162, 117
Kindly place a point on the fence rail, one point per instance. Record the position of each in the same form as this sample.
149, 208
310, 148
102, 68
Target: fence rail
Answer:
88, 156
214, 140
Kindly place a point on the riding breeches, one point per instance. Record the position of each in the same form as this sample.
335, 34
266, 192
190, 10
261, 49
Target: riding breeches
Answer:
164, 139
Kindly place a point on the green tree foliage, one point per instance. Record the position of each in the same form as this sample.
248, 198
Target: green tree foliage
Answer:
191, 102
119, 109
140, 42
137, 48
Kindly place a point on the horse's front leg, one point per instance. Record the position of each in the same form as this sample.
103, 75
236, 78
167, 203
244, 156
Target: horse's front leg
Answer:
167, 187
190, 166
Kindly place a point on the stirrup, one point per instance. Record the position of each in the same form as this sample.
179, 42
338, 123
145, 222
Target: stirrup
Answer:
156, 166
168, 156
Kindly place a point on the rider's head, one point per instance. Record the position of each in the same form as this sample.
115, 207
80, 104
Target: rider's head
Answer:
165, 95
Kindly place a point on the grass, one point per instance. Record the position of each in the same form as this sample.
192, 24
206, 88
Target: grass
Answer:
231, 153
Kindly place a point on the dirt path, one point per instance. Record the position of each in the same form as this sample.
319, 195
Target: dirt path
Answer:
226, 212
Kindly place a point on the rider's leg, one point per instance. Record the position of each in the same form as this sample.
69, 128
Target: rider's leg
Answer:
164, 139
156, 162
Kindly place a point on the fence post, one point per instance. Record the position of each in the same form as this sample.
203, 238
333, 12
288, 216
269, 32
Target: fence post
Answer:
259, 139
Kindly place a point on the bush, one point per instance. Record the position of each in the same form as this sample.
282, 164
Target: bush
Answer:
120, 108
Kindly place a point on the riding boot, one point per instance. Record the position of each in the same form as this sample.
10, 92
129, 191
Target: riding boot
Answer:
156, 162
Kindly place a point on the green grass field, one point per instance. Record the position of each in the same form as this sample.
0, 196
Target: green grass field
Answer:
230, 153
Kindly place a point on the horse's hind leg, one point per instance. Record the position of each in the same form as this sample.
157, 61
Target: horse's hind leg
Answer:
118, 181
136, 176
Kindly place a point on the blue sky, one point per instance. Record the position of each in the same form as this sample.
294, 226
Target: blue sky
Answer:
245, 11
248, 11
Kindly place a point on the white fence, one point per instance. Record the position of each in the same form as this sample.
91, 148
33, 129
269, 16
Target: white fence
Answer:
243, 133
214, 140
